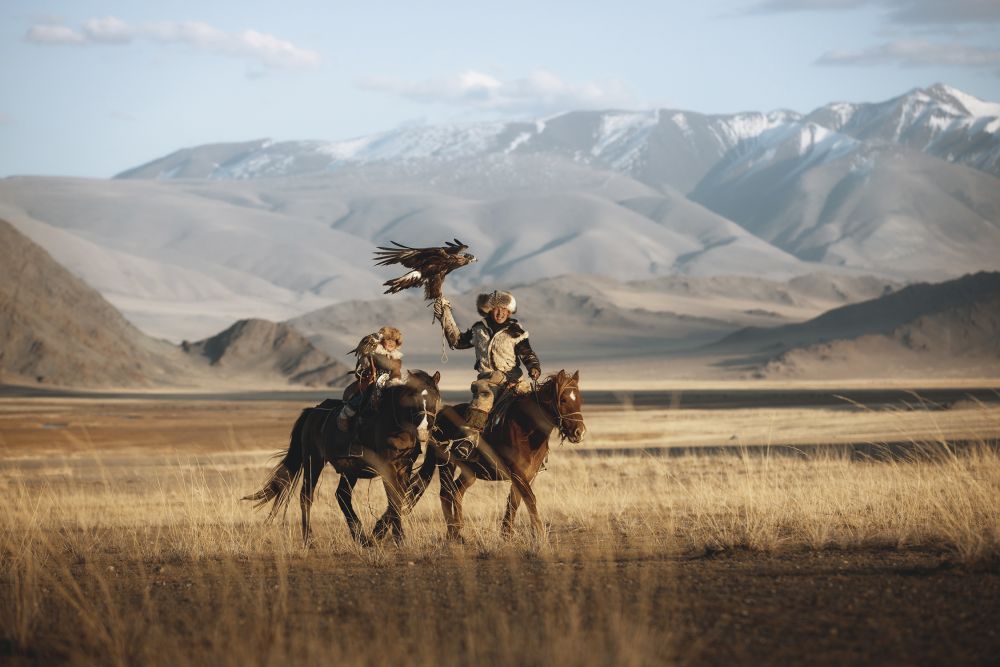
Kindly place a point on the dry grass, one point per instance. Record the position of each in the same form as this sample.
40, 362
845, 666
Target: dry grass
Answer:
109, 556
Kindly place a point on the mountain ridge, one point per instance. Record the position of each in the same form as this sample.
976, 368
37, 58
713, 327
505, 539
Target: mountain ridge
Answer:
879, 315
277, 229
937, 118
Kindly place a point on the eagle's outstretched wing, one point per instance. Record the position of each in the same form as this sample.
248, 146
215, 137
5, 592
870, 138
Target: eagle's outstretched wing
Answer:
428, 266
411, 258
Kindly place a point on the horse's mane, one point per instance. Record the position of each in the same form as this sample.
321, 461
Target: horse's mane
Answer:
422, 377
548, 383
416, 381
545, 389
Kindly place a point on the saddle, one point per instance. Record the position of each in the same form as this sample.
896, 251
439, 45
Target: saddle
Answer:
449, 430
501, 406
340, 445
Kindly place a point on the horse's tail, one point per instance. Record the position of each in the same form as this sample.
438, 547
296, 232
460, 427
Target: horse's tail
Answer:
283, 478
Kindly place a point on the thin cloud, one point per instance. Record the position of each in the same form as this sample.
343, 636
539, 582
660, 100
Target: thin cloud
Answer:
917, 53
949, 22
5, 119
54, 34
539, 92
779, 6
905, 12
251, 45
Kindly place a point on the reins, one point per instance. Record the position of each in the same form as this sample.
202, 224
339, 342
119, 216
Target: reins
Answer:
424, 413
560, 417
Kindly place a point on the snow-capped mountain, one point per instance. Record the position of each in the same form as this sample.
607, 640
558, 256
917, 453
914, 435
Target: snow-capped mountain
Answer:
939, 120
189, 243
660, 147
620, 141
824, 196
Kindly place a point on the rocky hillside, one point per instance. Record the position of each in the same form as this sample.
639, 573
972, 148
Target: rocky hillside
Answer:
964, 340
952, 328
56, 330
880, 315
574, 318
263, 348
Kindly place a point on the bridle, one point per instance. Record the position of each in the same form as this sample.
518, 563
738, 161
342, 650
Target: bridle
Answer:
560, 417
427, 416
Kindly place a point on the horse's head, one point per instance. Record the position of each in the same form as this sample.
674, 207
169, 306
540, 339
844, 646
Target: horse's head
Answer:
421, 399
567, 403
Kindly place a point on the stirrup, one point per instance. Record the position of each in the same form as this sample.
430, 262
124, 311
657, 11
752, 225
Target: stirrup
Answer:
464, 446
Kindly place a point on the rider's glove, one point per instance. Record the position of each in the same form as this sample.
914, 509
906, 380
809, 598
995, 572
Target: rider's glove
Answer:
440, 305
534, 372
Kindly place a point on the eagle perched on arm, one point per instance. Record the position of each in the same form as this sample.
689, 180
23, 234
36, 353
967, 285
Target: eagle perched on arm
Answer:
428, 266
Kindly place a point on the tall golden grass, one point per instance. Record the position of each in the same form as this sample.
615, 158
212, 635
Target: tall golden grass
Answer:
131, 559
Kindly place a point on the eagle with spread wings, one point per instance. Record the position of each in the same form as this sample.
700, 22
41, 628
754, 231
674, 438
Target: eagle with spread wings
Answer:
428, 266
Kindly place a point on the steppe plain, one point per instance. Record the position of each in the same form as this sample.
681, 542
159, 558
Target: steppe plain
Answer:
753, 542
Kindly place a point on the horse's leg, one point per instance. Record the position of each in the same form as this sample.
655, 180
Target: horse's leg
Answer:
513, 502
523, 488
392, 518
312, 468
446, 476
422, 478
398, 508
466, 479
345, 492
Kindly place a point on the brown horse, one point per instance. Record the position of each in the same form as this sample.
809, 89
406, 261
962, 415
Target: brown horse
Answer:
513, 450
391, 440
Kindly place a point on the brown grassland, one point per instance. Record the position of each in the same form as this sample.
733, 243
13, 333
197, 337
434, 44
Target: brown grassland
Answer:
122, 541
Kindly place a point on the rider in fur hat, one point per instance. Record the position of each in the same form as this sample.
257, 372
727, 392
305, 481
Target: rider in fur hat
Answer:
501, 345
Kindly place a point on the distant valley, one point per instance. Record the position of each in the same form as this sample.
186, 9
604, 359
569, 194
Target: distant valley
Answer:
627, 236
906, 189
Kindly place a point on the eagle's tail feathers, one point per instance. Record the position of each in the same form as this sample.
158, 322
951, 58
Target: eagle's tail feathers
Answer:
406, 281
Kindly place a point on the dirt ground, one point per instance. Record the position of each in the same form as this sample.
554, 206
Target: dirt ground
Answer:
829, 608
123, 542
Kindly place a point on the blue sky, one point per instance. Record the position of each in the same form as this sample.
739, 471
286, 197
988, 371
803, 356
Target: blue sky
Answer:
92, 88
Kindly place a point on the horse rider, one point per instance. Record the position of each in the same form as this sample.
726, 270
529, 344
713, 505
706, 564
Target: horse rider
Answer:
380, 363
501, 346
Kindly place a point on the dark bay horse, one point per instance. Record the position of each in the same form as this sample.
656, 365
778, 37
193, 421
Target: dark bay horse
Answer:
391, 440
512, 450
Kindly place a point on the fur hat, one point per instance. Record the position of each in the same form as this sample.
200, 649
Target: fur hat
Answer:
487, 302
391, 333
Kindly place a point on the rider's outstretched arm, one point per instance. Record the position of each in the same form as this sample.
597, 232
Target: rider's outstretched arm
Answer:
457, 339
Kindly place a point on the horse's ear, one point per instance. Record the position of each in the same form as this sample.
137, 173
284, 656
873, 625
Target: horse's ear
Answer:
561, 375
576, 377
436, 377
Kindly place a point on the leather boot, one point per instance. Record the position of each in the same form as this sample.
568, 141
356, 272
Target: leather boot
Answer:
344, 418
475, 422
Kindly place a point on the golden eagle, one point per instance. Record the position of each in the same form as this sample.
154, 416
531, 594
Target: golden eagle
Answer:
367, 345
428, 266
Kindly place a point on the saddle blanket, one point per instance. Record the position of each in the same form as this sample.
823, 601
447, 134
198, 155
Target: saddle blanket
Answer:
340, 445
